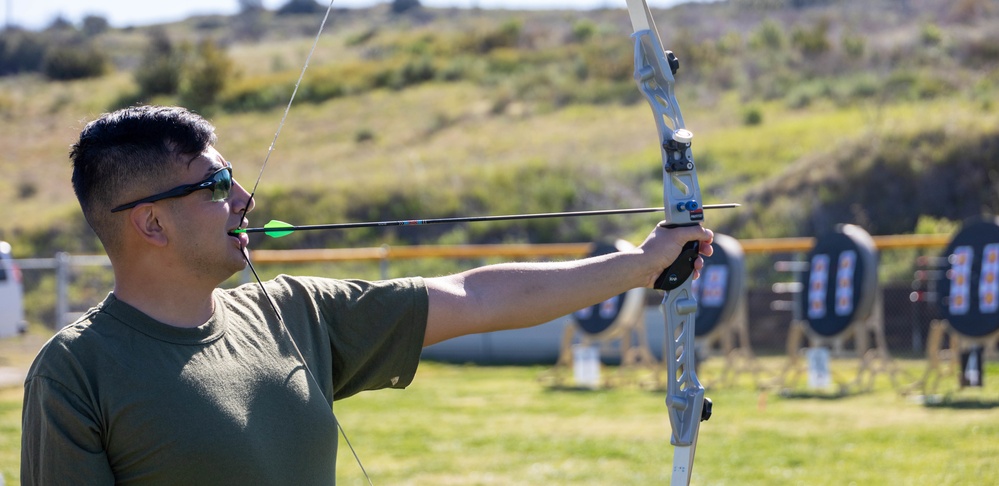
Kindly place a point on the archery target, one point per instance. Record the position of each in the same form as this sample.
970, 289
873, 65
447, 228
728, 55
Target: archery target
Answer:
607, 319
841, 281
970, 286
720, 287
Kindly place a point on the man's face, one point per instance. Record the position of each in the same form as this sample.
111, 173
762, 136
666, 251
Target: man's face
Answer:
201, 226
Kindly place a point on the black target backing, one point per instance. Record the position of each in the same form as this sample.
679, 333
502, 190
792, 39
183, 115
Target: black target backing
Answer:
606, 319
839, 288
722, 283
968, 287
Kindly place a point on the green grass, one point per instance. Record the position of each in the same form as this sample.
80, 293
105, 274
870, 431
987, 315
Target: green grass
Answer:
472, 425
469, 425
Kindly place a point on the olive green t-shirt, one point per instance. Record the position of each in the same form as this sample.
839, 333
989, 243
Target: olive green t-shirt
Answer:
119, 398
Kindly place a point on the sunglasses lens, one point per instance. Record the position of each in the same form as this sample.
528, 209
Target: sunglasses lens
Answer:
223, 184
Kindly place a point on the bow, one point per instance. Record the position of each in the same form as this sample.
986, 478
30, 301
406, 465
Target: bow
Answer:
654, 69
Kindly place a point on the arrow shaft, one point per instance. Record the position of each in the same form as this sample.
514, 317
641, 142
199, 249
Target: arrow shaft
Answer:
468, 219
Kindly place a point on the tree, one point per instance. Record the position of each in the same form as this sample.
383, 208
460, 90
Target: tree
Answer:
94, 25
251, 6
59, 23
401, 6
250, 24
300, 7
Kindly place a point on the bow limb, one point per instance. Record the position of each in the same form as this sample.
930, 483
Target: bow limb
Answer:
654, 69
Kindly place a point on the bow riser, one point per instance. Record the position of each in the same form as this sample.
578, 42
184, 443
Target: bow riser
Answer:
654, 74
685, 401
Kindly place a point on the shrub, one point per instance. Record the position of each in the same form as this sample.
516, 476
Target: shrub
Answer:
207, 76
853, 45
930, 35
161, 66
583, 30
70, 62
21, 51
769, 36
812, 42
364, 135
507, 35
257, 93
752, 116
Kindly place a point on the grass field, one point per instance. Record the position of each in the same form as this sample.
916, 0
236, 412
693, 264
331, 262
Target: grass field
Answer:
467, 425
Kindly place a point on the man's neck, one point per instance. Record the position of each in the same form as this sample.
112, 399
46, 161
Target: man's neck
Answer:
171, 301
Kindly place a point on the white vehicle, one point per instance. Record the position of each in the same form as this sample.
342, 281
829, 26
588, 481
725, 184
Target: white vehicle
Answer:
11, 295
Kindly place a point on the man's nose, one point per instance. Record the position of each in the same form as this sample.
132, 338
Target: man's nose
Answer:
241, 199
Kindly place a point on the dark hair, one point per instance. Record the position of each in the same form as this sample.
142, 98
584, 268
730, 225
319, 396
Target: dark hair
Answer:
129, 153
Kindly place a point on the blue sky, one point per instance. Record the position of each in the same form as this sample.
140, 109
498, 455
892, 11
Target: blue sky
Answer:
121, 13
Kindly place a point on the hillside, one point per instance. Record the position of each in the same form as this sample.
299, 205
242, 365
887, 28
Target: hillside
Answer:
812, 113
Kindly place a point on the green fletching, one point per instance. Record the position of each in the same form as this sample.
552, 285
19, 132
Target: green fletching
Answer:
277, 229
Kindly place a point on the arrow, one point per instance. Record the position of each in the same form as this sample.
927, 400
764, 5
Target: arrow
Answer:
277, 229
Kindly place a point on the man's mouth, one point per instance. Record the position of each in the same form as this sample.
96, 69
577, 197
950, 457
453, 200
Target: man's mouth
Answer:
240, 235
239, 230
242, 239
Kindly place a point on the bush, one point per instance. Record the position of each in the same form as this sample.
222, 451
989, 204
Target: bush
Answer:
769, 36
930, 35
207, 76
70, 62
583, 30
21, 51
507, 35
812, 42
257, 93
161, 67
752, 116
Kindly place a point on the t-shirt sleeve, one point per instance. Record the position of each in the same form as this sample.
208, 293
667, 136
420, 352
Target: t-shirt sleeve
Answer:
375, 329
64, 441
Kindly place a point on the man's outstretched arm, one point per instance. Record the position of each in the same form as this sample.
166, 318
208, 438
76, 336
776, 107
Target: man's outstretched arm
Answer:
515, 295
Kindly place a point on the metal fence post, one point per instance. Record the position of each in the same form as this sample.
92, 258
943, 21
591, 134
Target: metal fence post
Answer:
62, 264
383, 264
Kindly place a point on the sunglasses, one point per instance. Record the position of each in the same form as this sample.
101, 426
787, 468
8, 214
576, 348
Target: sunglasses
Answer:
220, 183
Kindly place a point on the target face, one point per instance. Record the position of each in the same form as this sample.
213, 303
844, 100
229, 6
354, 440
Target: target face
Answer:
841, 281
720, 287
970, 286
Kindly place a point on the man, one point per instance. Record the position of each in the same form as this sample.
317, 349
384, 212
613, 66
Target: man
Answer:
172, 380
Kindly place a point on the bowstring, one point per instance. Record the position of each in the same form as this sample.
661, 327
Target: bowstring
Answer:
287, 109
249, 201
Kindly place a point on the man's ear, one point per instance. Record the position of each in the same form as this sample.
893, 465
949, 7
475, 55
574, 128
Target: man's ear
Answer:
144, 219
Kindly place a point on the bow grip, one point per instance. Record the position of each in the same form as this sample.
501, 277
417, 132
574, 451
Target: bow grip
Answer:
680, 270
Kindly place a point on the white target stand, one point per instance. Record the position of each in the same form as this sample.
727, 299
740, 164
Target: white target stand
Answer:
959, 343
721, 326
617, 324
838, 314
